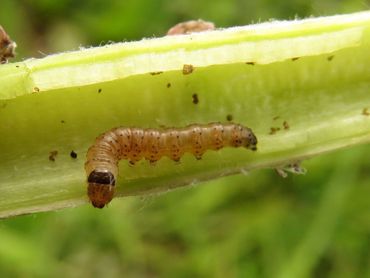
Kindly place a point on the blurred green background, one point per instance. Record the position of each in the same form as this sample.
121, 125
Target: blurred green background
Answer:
256, 225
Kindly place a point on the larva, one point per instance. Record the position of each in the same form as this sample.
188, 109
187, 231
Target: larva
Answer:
135, 144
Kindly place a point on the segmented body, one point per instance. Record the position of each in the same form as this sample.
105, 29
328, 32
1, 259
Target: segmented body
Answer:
135, 144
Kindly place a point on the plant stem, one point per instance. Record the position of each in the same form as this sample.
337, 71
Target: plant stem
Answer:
302, 86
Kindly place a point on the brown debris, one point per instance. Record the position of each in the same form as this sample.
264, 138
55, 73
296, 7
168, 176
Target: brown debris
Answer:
191, 26
286, 125
187, 69
53, 155
273, 130
7, 46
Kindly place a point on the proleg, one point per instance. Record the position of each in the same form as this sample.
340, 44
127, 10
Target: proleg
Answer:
135, 144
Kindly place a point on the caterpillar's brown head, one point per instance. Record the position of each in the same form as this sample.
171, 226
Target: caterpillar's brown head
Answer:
101, 188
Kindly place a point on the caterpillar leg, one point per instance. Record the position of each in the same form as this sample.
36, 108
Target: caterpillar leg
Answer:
152, 162
177, 161
198, 156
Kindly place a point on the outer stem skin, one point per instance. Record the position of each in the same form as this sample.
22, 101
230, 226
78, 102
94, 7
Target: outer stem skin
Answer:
314, 104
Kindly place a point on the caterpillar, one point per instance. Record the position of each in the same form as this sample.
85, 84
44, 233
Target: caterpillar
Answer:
135, 144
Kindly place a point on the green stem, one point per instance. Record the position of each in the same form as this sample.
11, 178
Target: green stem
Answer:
314, 104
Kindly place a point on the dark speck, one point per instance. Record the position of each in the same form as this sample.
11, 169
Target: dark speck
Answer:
229, 117
195, 98
73, 154
330, 58
156, 72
